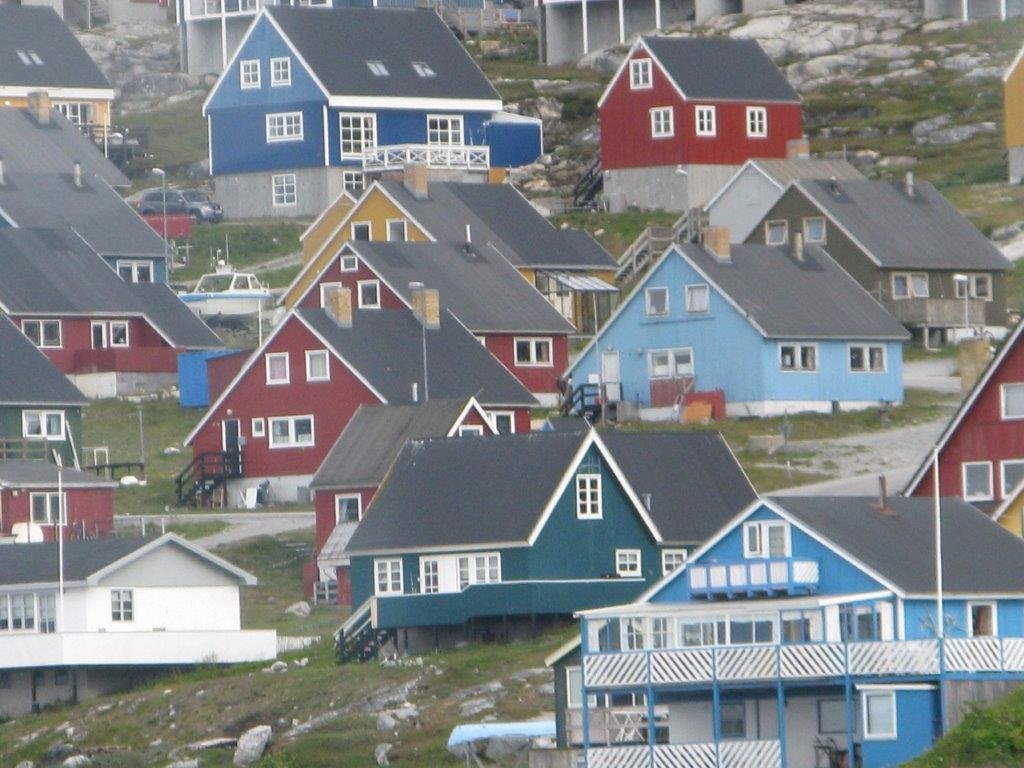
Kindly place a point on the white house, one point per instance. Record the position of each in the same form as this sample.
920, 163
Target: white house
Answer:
129, 608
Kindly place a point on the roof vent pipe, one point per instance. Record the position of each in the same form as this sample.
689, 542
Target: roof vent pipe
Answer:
883, 496
469, 234
415, 392
78, 174
908, 183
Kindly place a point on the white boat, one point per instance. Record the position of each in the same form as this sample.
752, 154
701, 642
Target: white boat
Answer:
226, 293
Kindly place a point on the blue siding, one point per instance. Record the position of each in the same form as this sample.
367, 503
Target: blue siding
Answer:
919, 618
514, 143
916, 719
159, 265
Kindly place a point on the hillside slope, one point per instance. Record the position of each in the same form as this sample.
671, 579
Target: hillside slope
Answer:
989, 737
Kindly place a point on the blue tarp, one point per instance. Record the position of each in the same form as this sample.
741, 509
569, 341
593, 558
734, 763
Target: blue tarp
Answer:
464, 734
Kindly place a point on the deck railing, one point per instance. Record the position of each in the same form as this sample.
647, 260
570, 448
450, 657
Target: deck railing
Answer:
780, 575
431, 155
729, 754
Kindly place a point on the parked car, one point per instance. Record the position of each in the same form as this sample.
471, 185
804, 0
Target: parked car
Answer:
150, 201
202, 207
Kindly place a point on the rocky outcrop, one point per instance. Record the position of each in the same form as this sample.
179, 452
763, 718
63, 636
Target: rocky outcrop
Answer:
251, 746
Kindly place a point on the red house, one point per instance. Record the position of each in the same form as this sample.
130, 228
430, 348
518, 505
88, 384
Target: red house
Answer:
278, 418
109, 336
476, 284
683, 114
347, 480
32, 493
981, 451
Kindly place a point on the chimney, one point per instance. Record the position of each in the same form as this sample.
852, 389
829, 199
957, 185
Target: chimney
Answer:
798, 247
39, 106
716, 240
426, 305
77, 174
908, 183
798, 149
338, 304
415, 179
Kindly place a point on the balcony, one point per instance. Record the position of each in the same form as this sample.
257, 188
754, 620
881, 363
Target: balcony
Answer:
727, 754
32, 649
755, 577
937, 312
438, 156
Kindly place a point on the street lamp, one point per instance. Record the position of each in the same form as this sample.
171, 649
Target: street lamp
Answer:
163, 179
964, 282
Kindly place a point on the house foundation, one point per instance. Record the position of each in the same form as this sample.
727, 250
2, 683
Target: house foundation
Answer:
665, 187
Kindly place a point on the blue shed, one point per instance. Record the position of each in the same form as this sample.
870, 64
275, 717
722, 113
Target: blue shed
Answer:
194, 376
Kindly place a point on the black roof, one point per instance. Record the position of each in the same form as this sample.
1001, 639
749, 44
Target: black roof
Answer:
502, 220
27, 377
38, 50
54, 272
371, 440
923, 231
385, 347
337, 43
721, 68
38, 563
43, 474
479, 286
978, 555
797, 299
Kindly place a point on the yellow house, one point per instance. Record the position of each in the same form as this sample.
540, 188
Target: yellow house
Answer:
1010, 513
1013, 116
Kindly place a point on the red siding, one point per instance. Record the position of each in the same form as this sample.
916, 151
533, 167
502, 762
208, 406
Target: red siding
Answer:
221, 370
534, 378
147, 351
350, 280
90, 511
323, 505
626, 140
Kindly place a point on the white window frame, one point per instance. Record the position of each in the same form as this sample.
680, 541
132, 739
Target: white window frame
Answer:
339, 497
673, 364
77, 112
310, 354
292, 443
285, 78
377, 68
405, 230
110, 335
369, 230
44, 417
455, 124
359, 294
798, 347
245, 80
284, 126
325, 288
824, 230
911, 293
1002, 401
353, 181
641, 74
510, 415
768, 229
589, 496
42, 323
866, 357
885, 735
280, 196
668, 555
51, 518
994, 605
258, 427
436, 584
647, 301
472, 564
103, 333
388, 565
471, 429
697, 288
271, 382
367, 130
1007, 490
757, 122
663, 124
629, 572
348, 264
422, 69
118, 601
963, 481
763, 548
535, 343
705, 120
135, 265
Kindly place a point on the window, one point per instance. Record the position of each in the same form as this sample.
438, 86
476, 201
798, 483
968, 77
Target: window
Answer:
42, 333
430, 582
348, 264
48, 508
627, 562
353, 181
444, 129
814, 229
504, 422
348, 508
389, 576
776, 232
377, 68
277, 367
369, 294
534, 353
858, 623
291, 432
749, 631
118, 333
660, 633
42, 425
259, 428
280, 71
423, 69
983, 620
879, 714
757, 122
121, 605
978, 287
358, 133
588, 496
48, 613
135, 271
662, 125
977, 480
283, 189
640, 74
670, 363
1013, 472
479, 569
98, 332
671, 560
910, 285
798, 357
23, 611
657, 301
867, 358
475, 430
317, 365
362, 230
284, 126
573, 687
77, 112
734, 721
1013, 401
697, 299
766, 539
249, 72
397, 230
705, 117
633, 634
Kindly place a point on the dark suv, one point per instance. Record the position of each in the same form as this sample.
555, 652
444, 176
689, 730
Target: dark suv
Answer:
150, 201
201, 206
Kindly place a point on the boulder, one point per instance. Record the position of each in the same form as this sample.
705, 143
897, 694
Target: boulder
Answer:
473, 707
546, 689
385, 722
957, 134
251, 745
58, 752
217, 743
25, 764
191, 763
501, 748
301, 609
381, 753
76, 761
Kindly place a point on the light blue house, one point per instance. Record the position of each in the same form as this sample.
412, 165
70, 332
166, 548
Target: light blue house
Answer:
316, 99
822, 608
773, 329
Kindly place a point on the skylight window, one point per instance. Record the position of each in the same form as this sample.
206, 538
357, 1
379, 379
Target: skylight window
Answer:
28, 58
378, 68
423, 69
35, 58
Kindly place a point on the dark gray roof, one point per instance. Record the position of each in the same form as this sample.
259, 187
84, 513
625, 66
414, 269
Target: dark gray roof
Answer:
39, 30
721, 68
42, 474
921, 232
978, 555
337, 43
787, 298
27, 377
38, 563
466, 491
695, 483
480, 287
501, 219
54, 272
368, 445
385, 347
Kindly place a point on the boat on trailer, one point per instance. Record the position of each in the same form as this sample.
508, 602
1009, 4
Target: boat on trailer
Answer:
226, 293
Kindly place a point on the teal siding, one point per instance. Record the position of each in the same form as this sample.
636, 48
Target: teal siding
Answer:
11, 429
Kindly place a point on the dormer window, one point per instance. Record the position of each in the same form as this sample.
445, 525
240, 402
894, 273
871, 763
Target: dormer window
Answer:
281, 71
423, 69
639, 74
377, 68
766, 539
588, 496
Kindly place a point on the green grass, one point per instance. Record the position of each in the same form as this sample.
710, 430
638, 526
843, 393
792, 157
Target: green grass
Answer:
615, 231
198, 529
989, 737
177, 139
248, 243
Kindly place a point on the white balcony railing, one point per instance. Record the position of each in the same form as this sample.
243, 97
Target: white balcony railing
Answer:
783, 575
431, 155
729, 754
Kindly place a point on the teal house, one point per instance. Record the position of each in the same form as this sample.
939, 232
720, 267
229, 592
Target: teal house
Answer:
492, 537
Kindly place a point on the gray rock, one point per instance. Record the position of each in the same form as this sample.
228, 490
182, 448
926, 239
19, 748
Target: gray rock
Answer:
897, 161
924, 127
546, 689
406, 712
605, 62
957, 134
474, 707
76, 761
381, 753
501, 748
385, 722
1009, 231
964, 62
58, 752
278, 666
191, 763
217, 743
251, 745
300, 609
25, 764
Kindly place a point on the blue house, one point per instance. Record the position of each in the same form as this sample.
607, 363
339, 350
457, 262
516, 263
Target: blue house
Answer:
315, 99
492, 537
774, 329
822, 608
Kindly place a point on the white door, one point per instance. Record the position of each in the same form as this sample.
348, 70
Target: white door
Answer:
610, 375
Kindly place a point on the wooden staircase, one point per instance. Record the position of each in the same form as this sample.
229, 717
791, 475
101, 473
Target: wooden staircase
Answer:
357, 639
653, 241
588, 186
198, 484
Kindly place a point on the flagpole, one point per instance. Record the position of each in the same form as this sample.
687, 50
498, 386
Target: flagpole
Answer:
60, 541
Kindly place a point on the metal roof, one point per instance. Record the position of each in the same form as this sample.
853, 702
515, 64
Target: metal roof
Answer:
38, 50
27, 377
16, 473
